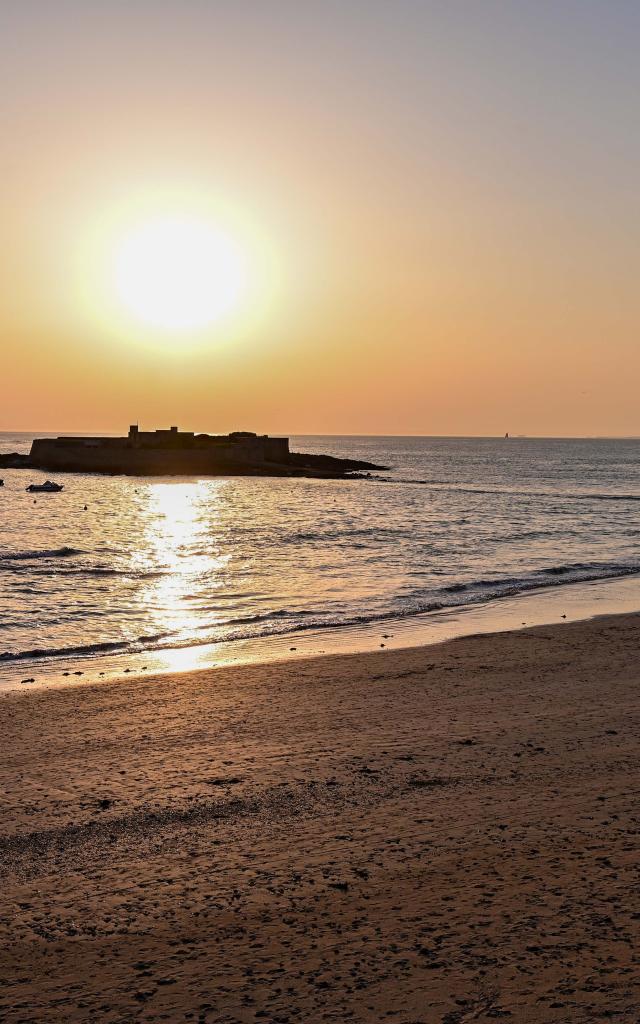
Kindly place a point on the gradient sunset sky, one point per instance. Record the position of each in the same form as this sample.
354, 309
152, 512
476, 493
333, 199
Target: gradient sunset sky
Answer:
435, 205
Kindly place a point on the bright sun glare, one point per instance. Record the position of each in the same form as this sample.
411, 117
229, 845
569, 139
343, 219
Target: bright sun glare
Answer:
179, 274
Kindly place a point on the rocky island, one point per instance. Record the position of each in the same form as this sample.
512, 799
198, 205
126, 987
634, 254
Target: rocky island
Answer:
178, 452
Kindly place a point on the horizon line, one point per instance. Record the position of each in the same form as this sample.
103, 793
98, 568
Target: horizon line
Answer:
294, 433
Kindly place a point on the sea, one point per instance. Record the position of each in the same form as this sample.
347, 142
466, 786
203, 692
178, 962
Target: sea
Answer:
124, 568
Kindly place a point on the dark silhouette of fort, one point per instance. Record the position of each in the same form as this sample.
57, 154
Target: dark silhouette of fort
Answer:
179, 452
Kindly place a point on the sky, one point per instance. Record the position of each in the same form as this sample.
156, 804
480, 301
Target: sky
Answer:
408, 217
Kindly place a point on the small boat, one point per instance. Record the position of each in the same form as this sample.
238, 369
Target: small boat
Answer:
48, 487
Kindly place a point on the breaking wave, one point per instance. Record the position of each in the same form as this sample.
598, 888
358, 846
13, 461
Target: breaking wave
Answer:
285, 621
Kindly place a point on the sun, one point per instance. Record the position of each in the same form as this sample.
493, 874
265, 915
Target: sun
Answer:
171, 268
179, 274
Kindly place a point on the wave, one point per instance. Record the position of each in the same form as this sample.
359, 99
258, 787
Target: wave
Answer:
342, 534
281, 613
461, 595
551, 495
24, 556
549, 576
104, 570
458, 595
87, 572
44, 563
105, 647
53, 652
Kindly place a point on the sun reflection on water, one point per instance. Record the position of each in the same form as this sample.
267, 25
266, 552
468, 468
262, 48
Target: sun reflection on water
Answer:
181, 549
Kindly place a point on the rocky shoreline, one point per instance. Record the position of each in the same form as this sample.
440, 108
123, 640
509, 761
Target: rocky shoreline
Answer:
297, 464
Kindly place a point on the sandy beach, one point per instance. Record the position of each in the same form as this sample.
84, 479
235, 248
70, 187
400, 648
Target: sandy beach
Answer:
442, 834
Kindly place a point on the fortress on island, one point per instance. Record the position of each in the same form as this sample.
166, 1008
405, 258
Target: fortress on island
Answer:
150, 452
179, 452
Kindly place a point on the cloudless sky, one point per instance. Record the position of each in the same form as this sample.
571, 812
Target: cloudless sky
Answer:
443, 197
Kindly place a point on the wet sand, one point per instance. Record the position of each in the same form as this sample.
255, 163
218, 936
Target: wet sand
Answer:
443, 834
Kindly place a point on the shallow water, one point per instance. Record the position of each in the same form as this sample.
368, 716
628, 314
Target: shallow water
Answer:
172, 563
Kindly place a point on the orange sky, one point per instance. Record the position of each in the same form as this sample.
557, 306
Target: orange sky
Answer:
440, 209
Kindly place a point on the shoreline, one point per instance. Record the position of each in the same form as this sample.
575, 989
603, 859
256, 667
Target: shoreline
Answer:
572, 602
434, 835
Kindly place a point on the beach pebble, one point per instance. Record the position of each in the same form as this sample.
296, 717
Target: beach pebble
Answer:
141, 995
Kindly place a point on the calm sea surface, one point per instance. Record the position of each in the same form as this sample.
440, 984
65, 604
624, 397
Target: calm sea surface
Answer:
180, 562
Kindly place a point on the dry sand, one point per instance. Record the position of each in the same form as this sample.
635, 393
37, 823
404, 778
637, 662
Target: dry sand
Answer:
445, 834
